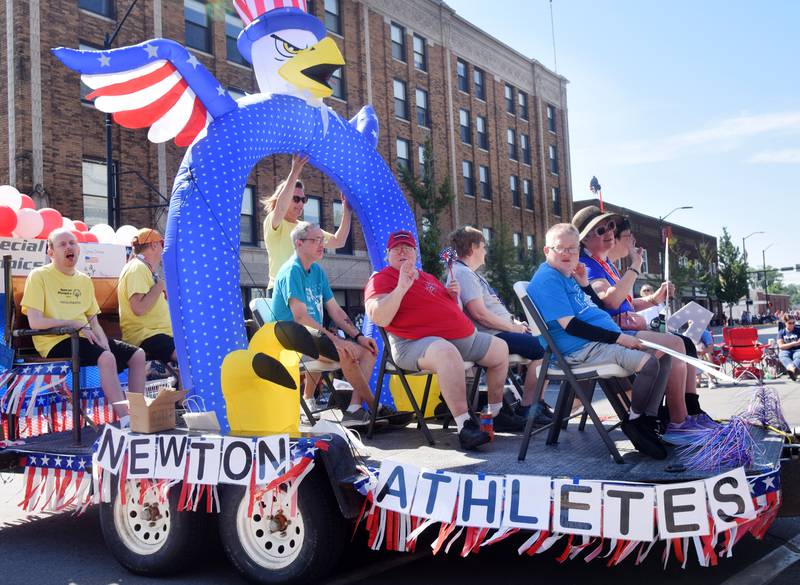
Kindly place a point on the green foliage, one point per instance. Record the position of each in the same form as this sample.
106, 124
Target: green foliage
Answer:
731, 284
431, 199
693, 272
506, 264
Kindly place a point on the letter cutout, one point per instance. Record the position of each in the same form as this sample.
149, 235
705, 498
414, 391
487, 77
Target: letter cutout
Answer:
141, 456
113, 444
237, 460
577, 507
527, 502
171, 453
435, 496
682, 510
272, 458
204, 460
396, 485
628, 512
729, 498
480, 501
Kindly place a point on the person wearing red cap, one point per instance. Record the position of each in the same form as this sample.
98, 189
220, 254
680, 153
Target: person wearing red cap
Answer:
143, 310
428, 331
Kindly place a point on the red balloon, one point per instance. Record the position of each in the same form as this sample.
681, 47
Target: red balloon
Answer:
52, 221
89, 238
8, 220
78, 236
80, 226
27, 202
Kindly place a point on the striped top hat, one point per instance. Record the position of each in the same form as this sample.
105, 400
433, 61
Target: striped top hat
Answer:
263, 17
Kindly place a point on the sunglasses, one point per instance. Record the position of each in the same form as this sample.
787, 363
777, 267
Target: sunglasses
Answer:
603, 229
298, 199
316, 241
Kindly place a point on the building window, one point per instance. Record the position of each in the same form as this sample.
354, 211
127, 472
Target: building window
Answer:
464, 123
338, 213
511, 137
522, 102
336, 82
85, 89
487, 235
509, 93
400, 104
312, 210
101, 7
514, 183
198, 29
402, 154
420, 46
333, 16
422, 108
247, 224
526, 148
461, 74
469, 180
95, 192
551, 118
527, 192
556, 196
516, 239
480, 89
553, 159
645, 265
233, 26
483, 178
399, 42
529, 242
480, 129
423, 164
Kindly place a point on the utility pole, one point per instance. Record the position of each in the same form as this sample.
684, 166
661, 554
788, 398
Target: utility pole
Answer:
766, 281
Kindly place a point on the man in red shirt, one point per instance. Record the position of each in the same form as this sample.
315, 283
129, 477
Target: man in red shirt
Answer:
429, 331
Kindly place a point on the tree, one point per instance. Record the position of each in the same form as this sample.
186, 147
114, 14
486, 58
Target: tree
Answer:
431, 199
506, 264
732, 283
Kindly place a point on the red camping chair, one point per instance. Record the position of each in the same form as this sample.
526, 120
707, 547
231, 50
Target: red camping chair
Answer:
744, 352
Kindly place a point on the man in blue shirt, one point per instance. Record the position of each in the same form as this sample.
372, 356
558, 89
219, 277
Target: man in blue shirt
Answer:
301, 294
789, 346
586, 334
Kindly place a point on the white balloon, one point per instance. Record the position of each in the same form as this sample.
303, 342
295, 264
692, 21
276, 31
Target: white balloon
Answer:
10, 196
29, 223
125, 234
105, 233
68, 224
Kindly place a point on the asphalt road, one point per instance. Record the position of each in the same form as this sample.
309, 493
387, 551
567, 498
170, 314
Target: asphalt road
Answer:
62, 549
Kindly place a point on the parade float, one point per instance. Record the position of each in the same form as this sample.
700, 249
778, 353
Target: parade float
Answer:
288, 498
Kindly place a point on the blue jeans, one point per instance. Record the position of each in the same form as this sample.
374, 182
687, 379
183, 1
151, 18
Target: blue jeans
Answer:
523, 344
789, 358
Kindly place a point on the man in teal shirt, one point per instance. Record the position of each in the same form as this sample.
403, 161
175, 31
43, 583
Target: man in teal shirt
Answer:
301, 294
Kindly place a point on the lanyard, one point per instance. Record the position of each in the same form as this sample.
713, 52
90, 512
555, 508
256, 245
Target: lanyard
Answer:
612, 273
482, 279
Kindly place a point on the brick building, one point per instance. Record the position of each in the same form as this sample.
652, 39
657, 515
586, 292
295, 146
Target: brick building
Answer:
496, 119
689, 249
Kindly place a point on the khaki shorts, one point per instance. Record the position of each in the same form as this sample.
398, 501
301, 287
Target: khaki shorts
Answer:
407, 352
594, 353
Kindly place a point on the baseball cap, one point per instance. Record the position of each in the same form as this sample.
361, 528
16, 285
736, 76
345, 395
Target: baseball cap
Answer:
147, 236
401, 238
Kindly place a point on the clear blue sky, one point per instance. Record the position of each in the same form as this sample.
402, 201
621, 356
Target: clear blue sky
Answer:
677, 103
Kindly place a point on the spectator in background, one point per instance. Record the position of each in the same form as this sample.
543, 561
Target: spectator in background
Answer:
789, 346
646, 291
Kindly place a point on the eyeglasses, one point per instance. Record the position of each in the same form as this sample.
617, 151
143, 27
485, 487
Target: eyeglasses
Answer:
602, 229
298, 199
315, 240
560, 250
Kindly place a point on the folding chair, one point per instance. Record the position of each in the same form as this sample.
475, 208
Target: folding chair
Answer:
513, 361
388, 367
570, 387
744, 351
262, 314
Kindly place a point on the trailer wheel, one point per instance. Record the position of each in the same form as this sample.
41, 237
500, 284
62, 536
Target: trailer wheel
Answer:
151, 537
275, 549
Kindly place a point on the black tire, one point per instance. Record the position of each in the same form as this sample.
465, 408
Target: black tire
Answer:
159, 548
304, 553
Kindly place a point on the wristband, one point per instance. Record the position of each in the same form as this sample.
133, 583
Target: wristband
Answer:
632, 269
359, 334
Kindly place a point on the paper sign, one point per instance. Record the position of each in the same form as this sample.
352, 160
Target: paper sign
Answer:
681, 509
204, 460
113, 444
729, 498
171, 451
527, 502
141, 456
101, 260
650, 313
480, 501
694, 313
396, 485
435, 496
628, 512
237, 460
577, 507
272, 458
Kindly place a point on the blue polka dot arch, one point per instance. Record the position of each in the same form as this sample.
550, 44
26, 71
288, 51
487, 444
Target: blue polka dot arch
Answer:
201, 254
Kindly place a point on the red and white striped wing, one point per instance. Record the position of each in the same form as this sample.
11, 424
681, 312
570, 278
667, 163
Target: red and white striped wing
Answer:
156, 96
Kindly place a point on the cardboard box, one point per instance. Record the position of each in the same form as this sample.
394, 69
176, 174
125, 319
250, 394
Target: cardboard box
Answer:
150, 415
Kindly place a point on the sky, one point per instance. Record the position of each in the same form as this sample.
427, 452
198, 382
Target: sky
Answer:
676, 103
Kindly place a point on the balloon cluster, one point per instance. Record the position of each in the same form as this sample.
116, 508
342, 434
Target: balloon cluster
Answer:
19, 218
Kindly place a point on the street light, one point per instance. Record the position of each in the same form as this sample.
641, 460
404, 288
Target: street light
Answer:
663, 239
744, 254
766, 282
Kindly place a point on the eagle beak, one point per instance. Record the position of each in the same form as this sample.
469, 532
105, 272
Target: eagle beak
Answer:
311, 68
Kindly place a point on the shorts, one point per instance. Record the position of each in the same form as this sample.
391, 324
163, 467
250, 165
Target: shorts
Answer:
523, 344
407, 352
159, 347
89, 353
606, 353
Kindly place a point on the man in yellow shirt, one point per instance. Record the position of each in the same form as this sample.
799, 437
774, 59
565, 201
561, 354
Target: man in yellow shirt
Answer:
284, 207
143, 310
57, 295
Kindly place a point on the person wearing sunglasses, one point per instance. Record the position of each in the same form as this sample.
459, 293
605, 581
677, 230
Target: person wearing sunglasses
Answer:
284, 208
615, 292
143, 310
